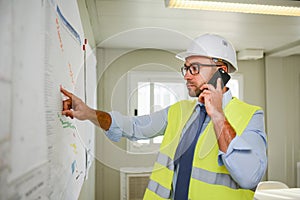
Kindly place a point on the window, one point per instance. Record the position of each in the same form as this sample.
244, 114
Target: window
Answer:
153, 91
150, 92
236, 84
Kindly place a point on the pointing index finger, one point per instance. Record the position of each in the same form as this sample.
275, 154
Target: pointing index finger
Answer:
65, 92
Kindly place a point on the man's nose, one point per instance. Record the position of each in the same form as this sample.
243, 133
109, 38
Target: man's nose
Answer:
188, 75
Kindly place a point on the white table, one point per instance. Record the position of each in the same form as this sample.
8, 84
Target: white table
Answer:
275, 194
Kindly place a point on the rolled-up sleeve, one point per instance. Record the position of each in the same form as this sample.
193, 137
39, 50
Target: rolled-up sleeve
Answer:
246, 158
138, 127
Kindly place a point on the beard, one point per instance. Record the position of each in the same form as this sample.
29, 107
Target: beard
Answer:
194, 93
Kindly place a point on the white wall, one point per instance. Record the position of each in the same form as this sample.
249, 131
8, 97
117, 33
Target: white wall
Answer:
283, 111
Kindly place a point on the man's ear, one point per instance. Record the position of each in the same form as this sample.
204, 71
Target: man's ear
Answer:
224, 67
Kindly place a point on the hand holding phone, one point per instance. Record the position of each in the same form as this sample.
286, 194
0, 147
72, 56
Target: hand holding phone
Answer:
220, 73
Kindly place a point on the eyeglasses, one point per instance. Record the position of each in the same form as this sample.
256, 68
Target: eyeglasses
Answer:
194, 68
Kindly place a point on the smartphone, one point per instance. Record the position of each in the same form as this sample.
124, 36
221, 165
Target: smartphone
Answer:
219, 74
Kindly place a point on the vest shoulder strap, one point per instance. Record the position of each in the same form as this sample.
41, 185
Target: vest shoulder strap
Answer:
239, 113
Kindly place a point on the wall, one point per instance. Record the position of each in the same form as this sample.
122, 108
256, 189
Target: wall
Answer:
254, 81
283, 100
112, 95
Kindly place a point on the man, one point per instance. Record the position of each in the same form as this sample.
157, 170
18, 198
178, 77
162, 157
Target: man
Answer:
213, 148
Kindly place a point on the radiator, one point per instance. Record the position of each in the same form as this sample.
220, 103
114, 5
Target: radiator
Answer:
134, 182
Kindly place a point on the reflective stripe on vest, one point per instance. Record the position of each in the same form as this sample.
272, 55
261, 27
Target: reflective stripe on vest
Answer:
159, 189
165, 161
214, 178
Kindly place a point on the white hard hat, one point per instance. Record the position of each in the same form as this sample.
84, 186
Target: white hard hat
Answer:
213, 46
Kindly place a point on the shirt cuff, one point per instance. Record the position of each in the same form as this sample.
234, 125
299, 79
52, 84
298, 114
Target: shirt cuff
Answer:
237, 144
114, 133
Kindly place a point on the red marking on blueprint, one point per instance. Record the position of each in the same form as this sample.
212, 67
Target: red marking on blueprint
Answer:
59, 35
71, 74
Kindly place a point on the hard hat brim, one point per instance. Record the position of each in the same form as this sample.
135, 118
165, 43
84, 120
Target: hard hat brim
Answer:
183, 55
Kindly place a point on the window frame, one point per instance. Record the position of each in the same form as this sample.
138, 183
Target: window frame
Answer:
133, 77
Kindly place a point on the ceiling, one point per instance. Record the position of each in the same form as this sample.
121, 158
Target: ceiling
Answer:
149, 24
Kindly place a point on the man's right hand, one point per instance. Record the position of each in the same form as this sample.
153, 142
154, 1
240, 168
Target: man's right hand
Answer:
75, 107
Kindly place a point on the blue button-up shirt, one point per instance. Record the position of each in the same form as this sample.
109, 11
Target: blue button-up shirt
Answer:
245, 159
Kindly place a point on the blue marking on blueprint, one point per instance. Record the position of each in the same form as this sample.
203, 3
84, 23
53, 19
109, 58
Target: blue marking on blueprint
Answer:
68, 25
73, 166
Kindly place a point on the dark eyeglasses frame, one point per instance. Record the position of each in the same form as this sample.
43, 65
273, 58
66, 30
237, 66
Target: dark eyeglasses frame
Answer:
197, 66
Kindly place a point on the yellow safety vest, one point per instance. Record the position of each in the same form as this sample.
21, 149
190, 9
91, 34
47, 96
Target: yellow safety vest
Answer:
209, 181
